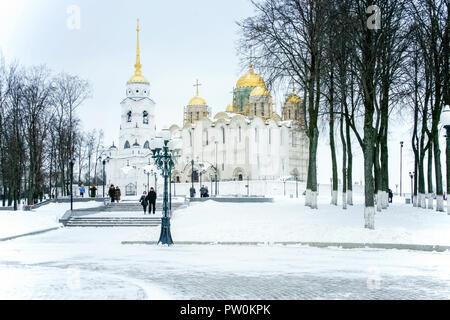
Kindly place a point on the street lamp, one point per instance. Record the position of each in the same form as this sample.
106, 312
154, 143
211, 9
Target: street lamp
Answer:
401, 149
411, 175
445, 119
165, 151
71, 163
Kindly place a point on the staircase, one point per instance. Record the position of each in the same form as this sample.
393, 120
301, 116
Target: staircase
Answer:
113, 222
105, 216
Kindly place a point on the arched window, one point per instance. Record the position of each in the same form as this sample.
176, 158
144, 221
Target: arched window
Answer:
129, 116
289, 114
240, 134
255, 110
147, 145
256, 135
205, 138
127, 145
190, 138
270, 136
223, 135
296, 114
145, 117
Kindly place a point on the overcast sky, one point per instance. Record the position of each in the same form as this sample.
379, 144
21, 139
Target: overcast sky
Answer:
181, 41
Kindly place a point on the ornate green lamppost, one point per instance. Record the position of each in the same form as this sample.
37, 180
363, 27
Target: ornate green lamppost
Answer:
165, 151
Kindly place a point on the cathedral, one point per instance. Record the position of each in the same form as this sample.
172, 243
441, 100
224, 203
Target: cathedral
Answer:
248, 140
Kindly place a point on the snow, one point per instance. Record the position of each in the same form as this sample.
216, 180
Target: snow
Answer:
288, 220
20, 222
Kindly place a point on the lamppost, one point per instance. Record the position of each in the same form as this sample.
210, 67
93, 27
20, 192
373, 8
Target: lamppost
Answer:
192, 191
71, 163
165, 151
411, 175
445, 118
401, 149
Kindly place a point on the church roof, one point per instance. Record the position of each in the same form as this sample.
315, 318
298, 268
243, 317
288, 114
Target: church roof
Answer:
250, 79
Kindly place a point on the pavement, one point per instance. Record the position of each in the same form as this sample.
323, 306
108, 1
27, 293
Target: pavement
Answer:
93, 264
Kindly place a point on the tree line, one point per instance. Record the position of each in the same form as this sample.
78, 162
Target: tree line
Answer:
357, 62
40, 132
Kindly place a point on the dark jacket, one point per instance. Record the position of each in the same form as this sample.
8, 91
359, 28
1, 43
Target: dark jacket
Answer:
118, 193
144, 201
151, 197
112, 192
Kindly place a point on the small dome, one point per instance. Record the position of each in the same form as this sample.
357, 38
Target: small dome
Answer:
250, 79
197, 101
138, 79
294, 98
230, 108
260, 91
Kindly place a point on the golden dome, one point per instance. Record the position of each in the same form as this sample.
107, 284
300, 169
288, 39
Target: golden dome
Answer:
138, 78
294, 98
197, 101
250, 79
230, 108
260, 91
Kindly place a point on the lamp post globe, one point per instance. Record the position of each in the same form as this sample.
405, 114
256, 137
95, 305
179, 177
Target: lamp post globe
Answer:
445, 120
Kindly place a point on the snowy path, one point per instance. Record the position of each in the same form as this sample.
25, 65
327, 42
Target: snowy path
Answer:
92, 264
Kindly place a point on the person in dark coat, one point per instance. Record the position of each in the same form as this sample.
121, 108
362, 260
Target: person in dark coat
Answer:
144, 201
93, 191
390, 196
151, 198
118, 194
112, 193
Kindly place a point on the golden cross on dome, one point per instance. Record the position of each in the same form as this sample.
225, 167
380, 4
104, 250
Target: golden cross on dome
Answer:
197, 85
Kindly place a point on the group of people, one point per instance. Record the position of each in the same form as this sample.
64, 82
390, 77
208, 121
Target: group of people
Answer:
114, 193
204, 193
92, 191
149, 200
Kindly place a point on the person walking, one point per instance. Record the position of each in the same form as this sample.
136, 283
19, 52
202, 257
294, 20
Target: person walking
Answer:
93, 191
112, 193
202, 192
151, 198
118, 194
144, 201
82, 191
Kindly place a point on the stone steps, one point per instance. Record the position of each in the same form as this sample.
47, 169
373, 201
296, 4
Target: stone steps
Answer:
114, 222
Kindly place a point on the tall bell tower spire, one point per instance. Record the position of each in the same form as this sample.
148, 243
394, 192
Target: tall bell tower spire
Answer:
138, 65
138, 77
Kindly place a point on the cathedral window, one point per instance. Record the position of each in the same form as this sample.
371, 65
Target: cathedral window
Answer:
270, 136
127, 145
145, 117
256, 135
262, 109
198, 115
289, 114
190, 138
146, 145
129, 116
223, 135
255, 110
296, 114
240, 134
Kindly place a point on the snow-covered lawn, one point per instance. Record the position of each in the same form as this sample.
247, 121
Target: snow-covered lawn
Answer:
20, 222
289, 220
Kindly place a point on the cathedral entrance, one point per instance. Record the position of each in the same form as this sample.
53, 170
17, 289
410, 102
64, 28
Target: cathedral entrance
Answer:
130, 190
196, 179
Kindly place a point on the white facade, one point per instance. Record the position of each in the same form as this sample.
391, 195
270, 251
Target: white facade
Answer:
241, 148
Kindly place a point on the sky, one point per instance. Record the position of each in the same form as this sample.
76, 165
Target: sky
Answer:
181, 41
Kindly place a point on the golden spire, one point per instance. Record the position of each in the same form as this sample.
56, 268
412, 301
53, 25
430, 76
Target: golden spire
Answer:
138, 65
138, 77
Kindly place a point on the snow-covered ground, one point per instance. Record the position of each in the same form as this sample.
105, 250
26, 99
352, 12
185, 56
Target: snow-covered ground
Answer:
289, 220
88, 263
20, 222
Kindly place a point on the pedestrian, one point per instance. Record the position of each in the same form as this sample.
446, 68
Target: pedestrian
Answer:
151, 198
202, 191
390, 196
93, 191
144, 202
112, 193
206, 193
118, 194
82, 191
